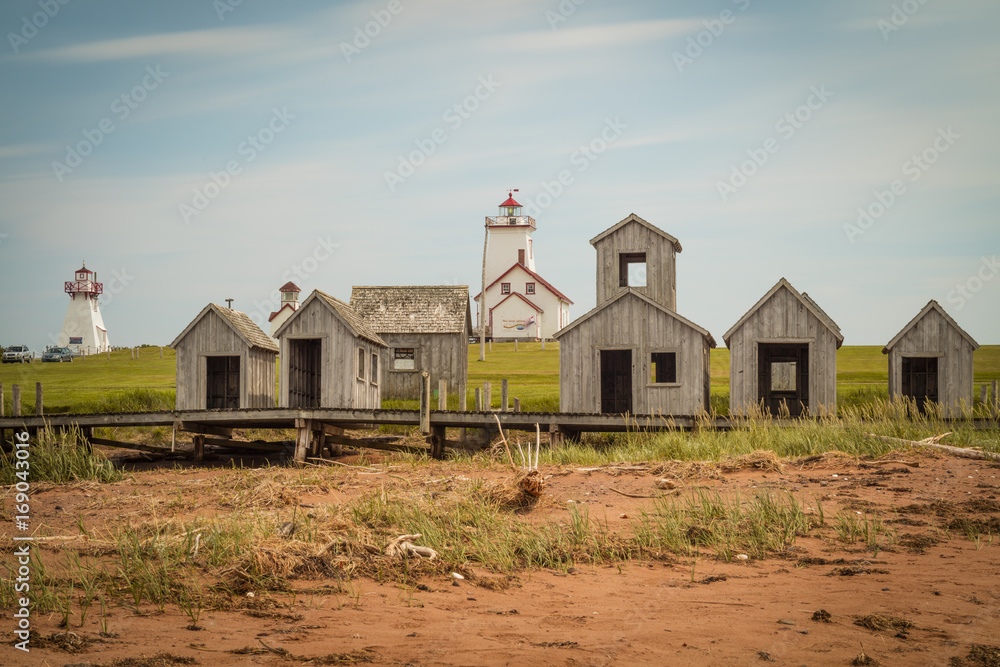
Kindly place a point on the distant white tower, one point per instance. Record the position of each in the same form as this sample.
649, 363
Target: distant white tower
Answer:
83, 329
519, 302
289, 304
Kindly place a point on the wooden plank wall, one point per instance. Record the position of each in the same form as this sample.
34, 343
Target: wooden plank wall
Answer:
933, 336
783, 319
633, 324
661, 277
444, 356
214, 337
340, 387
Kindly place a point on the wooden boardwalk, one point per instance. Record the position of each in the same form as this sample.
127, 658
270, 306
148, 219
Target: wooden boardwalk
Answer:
321, 428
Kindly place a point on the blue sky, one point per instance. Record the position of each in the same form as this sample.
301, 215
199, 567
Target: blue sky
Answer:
194, 151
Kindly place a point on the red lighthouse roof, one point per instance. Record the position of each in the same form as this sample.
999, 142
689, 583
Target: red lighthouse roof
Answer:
84, 269
510, 200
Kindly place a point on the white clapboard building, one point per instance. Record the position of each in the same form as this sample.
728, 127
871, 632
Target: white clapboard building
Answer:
519, 302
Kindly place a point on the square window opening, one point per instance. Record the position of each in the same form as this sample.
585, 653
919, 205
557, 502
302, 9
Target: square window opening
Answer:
632, 269
529, 288
404, 359
663, 367
505, 288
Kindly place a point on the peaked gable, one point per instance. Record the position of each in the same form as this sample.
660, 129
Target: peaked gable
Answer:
629, 292
538, 279
632, 218
350, 318
931, 305
238, 321
804, 299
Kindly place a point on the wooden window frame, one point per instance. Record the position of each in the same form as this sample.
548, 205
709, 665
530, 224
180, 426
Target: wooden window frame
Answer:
649, 368
625, 259
529, 288
362, 357
416, 359
505, 288
374, 369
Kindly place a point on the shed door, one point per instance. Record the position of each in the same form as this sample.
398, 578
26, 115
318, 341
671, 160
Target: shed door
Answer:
783, 377
920, 380
223, 377
616, 381
305, 372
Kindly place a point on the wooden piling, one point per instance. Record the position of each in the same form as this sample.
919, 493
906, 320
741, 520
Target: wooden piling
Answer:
479, 399
442, 394
996, 398
303, 440
38, 399
463, 403
199, 446
425, 403
16, 397
487, 396
503, 395
437, 442
517, 405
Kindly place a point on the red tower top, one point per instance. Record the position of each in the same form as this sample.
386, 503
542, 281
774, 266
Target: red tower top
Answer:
83, 284
510, 201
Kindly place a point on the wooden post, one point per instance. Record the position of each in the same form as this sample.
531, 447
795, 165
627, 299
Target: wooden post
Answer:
543, 345
88, 434
984, 397
199, 446
161, 352
515, 345
996, 398
503, 394
109, 354
437, 442
487, 396
479, 399
16, 397
1, 399
463, 403
517, 405
425, 403
442, 394
38, 399
555, 436
303, 438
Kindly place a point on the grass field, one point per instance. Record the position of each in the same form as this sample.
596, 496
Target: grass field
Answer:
97, 384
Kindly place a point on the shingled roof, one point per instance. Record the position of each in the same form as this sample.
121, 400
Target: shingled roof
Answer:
354, 320
241, 324
414, 308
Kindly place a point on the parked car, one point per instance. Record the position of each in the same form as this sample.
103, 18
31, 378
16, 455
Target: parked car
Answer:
17, 354
58, 354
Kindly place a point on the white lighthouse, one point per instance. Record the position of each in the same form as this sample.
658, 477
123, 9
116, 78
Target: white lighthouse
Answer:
519, 302
83, 329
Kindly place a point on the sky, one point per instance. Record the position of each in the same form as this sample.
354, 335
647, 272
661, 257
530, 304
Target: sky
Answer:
200, 150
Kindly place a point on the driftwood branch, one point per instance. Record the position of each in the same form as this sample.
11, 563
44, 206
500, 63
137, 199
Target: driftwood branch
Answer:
932, 443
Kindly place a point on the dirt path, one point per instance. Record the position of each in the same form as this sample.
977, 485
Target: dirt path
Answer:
941, 586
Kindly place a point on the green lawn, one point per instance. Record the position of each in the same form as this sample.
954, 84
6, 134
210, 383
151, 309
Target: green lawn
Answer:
96, 384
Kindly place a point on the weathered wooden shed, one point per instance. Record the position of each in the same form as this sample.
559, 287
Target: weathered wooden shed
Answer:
633, 355
426, 327
224, 361
635, 254
784, 350
931, 360
330, 357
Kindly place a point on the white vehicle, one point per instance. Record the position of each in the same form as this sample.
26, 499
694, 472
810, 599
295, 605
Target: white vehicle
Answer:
17, 354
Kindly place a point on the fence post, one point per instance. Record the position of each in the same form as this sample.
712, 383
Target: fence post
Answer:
16, 396
543, 345
425, 403
517, 405
996, 398
984, 397
515, 345
1, 399
463, 403
479, 399
161, 352
38, 399
442, 394
487, 396
503, 394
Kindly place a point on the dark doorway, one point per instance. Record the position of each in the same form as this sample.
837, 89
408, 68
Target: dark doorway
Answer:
920, 380
223, 390
305, 365
616, 381
783, 377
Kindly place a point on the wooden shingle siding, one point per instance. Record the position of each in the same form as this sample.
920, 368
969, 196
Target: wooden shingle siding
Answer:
784, 316
218, 331
933, 333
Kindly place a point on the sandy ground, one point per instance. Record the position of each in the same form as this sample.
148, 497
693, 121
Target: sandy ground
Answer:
738, 613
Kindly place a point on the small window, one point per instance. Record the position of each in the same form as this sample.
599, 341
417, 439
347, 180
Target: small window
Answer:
404, 359
632, 269
783, 375
374, 377
505, 288
663, 367
529, 288
361, 363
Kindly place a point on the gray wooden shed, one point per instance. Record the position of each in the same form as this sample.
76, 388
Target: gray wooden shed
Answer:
784, 351
631, 354
426, 327
635, 254
224, 361
330, 357
931, 360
